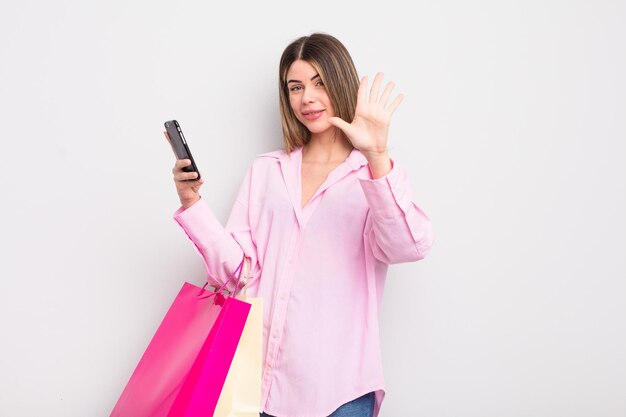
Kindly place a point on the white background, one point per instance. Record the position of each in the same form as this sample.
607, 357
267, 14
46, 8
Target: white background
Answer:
513, 132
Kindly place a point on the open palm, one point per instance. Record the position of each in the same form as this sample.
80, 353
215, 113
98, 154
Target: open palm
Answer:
369, 130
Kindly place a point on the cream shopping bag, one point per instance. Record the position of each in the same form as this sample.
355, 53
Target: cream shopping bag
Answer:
241, 394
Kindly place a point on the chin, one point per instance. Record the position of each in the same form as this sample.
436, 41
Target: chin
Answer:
319, 127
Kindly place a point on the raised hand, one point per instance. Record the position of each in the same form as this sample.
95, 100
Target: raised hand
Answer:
369, 130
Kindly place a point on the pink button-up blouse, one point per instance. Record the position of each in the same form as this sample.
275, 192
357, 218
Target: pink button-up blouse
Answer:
320, 270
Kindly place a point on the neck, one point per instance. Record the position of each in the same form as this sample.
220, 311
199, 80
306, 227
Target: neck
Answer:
326, 147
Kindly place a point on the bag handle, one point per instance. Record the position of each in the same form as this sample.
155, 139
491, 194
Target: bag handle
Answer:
246, 275
222, 288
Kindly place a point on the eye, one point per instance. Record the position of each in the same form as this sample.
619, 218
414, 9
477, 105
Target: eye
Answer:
295, 88
319, 83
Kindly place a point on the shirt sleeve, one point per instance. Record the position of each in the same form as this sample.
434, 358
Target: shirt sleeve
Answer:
399, 231
222, 248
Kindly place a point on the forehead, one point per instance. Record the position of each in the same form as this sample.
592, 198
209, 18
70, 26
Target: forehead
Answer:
301, 70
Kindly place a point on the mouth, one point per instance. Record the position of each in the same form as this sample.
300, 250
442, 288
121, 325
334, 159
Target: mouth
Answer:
312, 114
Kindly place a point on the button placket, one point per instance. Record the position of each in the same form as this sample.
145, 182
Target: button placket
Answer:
278, 320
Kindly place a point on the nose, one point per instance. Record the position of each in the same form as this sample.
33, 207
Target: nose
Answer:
308, 96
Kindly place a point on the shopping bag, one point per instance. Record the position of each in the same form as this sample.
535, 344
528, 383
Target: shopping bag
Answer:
183, 369
241, 393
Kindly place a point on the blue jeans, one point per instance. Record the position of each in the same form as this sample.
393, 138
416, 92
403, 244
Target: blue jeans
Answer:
361, 407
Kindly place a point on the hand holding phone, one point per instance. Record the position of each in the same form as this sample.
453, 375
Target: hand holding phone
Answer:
180, 146
186, 175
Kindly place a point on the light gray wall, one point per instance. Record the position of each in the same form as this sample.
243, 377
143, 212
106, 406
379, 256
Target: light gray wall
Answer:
512, 130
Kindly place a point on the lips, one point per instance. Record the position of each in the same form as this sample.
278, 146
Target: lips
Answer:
312, 114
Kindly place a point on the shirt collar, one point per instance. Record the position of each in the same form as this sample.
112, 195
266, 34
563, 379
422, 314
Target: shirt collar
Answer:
356, 159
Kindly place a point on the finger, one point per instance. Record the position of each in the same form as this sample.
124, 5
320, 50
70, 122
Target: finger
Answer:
193, 184
340, 123
167, 136
185, 176
394, 105
181, 163
376, 87
386, 93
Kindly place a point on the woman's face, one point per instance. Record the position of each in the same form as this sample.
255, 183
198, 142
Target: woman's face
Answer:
308, 97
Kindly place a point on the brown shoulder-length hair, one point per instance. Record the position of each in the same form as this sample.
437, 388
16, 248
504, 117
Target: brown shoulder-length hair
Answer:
336, 69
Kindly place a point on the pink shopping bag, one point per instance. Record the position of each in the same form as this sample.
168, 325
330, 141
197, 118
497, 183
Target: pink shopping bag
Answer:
183, 369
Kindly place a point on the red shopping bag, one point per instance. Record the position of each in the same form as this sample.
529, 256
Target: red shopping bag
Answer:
183, 369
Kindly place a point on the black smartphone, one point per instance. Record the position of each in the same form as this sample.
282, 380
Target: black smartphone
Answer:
179, 144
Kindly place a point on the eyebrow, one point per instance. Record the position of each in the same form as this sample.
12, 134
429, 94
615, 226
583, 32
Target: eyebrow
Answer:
298, 81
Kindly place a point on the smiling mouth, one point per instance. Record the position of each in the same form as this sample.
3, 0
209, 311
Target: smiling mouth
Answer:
312, 115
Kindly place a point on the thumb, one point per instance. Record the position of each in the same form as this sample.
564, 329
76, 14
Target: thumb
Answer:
340, 123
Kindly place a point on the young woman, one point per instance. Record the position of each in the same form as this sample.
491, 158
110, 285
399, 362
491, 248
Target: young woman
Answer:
320, 222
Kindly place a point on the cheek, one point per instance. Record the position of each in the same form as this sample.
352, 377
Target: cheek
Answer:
293, 102
328, 105
295, 108
330, 110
